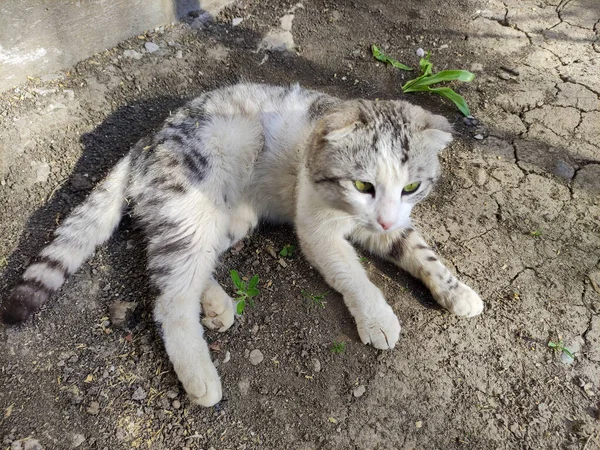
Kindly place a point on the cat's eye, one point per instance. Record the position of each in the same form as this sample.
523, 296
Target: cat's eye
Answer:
364, 186
412, 187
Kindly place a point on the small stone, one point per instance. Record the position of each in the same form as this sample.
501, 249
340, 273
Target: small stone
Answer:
572, 346
236, 21
76, 440
510, 70
151, 47
418, 423
564, 170
282, 263
176, 404
256, 357
316, 364
227, 357
172, 394
443, 46
178, 54
476, 67
481, 177
271, 251
504, 76
420, 52
132, 54
121, 313
479, 137
139, 394
244, 386
94, 408
595, 280
359, 391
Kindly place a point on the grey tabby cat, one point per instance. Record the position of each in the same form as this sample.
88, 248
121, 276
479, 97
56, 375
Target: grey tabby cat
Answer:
338, 170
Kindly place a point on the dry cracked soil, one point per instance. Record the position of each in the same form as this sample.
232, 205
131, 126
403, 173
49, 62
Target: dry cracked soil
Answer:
517, 216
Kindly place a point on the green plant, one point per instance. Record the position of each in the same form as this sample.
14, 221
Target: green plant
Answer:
317, 299
363, 259
560, 347
427, 78
245, 291
536, 233
338, 347
288, 251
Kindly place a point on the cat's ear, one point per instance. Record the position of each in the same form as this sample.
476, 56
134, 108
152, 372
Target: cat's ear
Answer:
438, 133
343, 121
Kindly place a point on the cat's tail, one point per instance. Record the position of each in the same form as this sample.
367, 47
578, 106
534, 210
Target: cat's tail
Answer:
89, 225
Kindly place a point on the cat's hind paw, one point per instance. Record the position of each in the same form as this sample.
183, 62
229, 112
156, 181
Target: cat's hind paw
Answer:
379, 327
218, 308
462, 301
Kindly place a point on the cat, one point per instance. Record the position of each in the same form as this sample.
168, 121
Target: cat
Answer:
340, 170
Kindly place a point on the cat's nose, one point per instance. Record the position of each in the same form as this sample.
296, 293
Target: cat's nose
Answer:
385, 224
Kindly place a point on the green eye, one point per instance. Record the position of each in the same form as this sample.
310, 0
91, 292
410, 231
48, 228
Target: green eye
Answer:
363, 186
410, 188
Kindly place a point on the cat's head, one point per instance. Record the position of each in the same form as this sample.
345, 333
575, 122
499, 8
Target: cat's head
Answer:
376, 160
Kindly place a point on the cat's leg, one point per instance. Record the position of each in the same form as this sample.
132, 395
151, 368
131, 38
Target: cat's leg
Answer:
407, 249
218, 307
323, 242
185, 237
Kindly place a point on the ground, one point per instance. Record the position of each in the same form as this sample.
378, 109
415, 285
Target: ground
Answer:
517, 216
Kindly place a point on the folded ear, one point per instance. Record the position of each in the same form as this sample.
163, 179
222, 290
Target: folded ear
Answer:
438, 132
342, 121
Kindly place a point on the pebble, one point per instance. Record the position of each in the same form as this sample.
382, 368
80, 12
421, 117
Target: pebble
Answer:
151, 47
573, 346
504, 76
481, 177
94, 408
244, 386
176, 404
26, 444
479, 137
564, 170
510, 70
418, 423
470, 121
316, 364
236, 21
77, 439
256, 357
282, 263
172, 394
476, 67
359, 390
139, 394
178, 54
132, 54
227, 357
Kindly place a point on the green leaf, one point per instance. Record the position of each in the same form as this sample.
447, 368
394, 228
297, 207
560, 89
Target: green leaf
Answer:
239, 308
568, 352
426, 66
237, 281
252, 292
552, 345
253, 282
283, 252
445, 75
378, 55
457, 99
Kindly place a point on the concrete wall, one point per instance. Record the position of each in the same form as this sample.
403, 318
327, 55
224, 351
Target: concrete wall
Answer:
39, 37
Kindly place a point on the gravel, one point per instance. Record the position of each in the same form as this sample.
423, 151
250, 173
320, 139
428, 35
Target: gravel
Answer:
256, 357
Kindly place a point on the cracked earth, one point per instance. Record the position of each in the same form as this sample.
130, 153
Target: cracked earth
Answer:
517, 216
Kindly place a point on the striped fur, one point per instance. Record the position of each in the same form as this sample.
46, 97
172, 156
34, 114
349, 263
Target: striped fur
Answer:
246, 153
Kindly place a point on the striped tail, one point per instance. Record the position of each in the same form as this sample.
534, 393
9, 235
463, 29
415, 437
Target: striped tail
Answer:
89, 225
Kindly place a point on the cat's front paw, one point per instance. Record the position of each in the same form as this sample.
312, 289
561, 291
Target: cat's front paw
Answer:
379, 326
218, 308
201, 381
462, 301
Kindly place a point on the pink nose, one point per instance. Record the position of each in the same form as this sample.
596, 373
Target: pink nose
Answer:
385, 225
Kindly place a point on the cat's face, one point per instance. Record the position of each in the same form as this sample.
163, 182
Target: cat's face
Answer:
376, 160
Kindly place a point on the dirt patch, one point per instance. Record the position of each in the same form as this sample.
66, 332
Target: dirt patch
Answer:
516, 216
